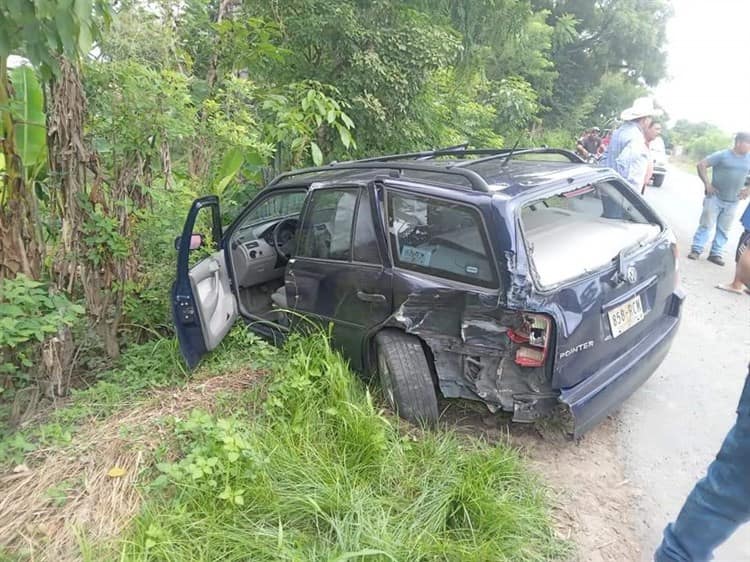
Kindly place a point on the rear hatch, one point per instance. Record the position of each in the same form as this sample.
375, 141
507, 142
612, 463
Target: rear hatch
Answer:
606, 266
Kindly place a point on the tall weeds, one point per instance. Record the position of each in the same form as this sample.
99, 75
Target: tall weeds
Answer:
319, 473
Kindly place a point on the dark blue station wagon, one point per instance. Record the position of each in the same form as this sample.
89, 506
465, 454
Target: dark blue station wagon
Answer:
523, 279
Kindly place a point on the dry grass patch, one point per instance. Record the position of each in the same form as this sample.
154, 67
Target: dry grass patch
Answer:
86, 492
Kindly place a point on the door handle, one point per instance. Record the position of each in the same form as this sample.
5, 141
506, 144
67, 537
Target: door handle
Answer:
370, 297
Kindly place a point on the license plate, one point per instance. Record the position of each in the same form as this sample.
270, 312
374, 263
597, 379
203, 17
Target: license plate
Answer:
625, 316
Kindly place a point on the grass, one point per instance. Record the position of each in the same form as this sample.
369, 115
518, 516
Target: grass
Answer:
64, 502
318, 472
142, 369
304, 465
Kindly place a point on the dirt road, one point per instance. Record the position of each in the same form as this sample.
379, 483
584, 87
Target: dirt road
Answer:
670, 430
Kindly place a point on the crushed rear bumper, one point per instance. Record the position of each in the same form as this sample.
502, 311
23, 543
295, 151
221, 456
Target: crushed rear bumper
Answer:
598, 395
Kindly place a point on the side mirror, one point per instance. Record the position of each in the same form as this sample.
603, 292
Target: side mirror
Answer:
196, 241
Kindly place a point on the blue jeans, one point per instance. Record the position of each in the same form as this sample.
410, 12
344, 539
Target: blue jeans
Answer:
716, 214
719, 503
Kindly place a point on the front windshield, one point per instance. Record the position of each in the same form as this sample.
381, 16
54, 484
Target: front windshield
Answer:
274, 207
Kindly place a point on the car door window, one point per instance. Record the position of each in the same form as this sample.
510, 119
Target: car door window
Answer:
440, 238
327, 229
365, 239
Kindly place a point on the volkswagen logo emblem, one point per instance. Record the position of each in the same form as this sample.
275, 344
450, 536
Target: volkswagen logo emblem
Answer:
631, 275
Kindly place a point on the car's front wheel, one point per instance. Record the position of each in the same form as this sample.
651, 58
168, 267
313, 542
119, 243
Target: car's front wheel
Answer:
405, 377
657, 180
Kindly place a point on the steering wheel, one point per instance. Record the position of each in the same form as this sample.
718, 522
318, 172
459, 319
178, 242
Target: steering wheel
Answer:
283, 238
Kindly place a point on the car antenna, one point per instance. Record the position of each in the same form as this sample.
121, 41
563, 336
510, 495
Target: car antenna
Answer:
512, 150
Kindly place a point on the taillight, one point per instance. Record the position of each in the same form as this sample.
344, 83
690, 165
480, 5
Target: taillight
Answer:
533, 338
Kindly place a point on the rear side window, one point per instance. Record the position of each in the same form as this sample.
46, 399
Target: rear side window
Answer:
578, 231
327, 229
440, 238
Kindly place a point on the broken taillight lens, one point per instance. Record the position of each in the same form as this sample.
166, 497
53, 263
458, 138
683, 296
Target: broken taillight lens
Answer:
533, 339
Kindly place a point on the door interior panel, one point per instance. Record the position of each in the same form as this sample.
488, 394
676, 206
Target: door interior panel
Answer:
216, 304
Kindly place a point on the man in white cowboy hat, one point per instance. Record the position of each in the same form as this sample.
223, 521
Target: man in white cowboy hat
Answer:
627, 152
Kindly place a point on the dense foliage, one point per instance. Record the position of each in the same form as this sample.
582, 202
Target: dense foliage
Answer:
128, 111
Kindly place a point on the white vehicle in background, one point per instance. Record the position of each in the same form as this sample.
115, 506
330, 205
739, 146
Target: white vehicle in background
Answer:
659, 159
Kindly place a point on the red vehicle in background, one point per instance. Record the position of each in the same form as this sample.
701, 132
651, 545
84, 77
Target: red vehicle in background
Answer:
606, 137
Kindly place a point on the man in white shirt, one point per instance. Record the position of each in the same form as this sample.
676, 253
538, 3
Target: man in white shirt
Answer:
627, 152
655, 145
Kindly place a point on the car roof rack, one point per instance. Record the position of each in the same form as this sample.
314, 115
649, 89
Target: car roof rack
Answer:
456, 150
393, 162
476, 182
463, 150
509, 152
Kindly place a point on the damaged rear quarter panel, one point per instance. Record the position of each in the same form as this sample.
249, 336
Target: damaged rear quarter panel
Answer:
465, 330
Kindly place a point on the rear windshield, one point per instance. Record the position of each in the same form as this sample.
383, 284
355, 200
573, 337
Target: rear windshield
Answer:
583, 229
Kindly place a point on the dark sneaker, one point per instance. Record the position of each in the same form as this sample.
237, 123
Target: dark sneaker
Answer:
693, 255
718, 260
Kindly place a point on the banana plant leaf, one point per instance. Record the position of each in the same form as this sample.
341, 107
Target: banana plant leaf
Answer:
28, 114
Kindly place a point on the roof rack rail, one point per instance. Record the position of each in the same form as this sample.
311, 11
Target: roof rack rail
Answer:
463, 150
456, 148
476, 182
571, 156
422, 155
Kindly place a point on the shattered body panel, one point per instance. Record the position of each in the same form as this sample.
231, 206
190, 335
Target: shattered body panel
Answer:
593, 370
467, 334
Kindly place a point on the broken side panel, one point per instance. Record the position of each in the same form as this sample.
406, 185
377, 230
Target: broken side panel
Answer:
475, 346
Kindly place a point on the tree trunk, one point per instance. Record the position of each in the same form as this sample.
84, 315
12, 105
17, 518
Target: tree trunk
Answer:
77, 193
83, 193
68, 158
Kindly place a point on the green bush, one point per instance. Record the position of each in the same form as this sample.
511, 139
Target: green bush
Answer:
29, 313
147, 304
702, 146
554, 138
320, 473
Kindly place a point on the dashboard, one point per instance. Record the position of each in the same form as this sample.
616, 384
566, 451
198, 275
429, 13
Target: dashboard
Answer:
254, 257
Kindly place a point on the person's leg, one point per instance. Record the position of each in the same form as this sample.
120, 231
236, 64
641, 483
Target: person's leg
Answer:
718, 503
724, 220
706, 224
742, 258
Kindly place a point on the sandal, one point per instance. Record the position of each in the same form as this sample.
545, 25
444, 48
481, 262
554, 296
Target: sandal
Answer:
730, 289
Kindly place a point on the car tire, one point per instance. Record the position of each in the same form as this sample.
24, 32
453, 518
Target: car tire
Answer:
405, 377
658, 180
